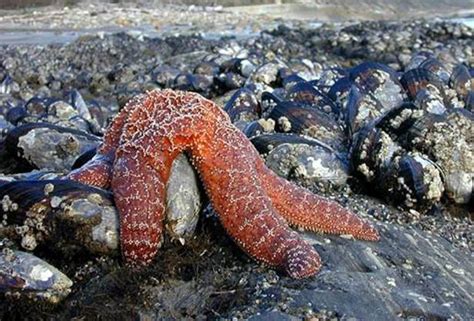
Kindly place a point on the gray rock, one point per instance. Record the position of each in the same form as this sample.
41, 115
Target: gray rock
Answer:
409, 274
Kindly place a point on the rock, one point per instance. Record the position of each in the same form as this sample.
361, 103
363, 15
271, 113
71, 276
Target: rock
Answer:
409, 274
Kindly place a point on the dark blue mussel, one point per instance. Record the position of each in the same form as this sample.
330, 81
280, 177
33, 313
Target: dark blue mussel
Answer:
293, 117
412, 181
437, 68
43, 145
461, 80
190, 82
379, 81
418, 79
306, 160
243, 106
305, 93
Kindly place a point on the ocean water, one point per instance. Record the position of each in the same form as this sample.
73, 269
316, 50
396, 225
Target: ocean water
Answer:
22, 36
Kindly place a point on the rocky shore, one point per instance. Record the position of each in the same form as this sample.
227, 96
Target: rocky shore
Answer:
61, 96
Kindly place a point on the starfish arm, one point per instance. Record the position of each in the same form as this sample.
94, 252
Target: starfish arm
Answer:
139, 194
304, 209
114, 131
226, 165
96, 172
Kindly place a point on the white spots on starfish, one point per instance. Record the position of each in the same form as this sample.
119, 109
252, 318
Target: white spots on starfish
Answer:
154, 128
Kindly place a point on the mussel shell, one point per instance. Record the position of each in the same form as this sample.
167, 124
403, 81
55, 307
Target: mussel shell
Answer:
243, 106
268, 101
267, 142
369, 75
8, 86
76, 100
330, 77
340, 90
412, 181
183, 200
258, 127
429, 102
290, 80
372, 151
209, 68
418, 58
67, 215
43, 145
38, 106
25, 276
360, 109
267, 74
229, 81
16, 114
197, 83
447, 139
417, 79
307, 94
165, 75
397, 121
231, 65
84, 158
310, 165
469, 101
436, 67
461, 80
296, 118
380, 82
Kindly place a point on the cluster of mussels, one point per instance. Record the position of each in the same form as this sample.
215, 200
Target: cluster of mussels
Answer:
407, 136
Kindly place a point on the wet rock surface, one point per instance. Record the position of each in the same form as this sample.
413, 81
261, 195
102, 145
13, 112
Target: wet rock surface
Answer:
421, 268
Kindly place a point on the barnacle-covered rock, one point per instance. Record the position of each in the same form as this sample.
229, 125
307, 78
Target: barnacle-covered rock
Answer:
42, 145
23, 275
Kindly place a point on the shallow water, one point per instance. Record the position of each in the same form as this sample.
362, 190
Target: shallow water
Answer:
17, 36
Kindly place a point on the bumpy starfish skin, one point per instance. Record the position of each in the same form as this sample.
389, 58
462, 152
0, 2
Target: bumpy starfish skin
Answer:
254, 205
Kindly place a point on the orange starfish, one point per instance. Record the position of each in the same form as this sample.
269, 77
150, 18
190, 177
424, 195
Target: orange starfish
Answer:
253, 204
